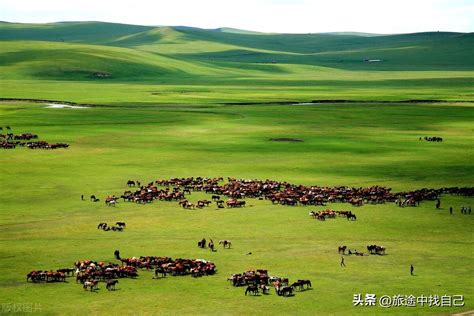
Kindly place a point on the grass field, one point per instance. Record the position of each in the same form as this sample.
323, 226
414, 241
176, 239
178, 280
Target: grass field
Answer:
164, 111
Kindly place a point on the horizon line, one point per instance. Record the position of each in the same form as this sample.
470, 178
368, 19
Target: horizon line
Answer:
235, 28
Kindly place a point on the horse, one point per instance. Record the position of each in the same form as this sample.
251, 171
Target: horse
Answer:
111, 285
202, 243
160, 270
110, 202
92, 284
342, 249
305, 282
285, 291
352, 217
298, 284
252, 289
225, 243
265, 289
211, 245
102, 226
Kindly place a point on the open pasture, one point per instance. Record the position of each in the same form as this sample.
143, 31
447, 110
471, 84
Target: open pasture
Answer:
45, 225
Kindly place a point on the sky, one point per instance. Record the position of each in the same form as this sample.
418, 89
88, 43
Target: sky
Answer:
279, 16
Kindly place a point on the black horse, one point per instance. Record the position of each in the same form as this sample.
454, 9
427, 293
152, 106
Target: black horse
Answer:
202, 243
102, 225
111, 285
285, 291
160, 270
352, 217
211, 245
252, 289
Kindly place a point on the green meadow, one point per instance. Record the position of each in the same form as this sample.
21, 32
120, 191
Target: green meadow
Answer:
179, 102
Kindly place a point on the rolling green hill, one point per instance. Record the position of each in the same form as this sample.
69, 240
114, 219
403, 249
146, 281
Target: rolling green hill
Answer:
109, 53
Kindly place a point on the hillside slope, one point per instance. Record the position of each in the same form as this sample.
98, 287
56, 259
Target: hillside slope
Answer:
331, 62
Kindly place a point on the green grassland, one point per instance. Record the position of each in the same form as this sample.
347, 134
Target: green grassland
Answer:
174, 65
165, 110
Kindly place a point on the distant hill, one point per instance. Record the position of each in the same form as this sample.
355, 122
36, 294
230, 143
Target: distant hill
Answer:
85, 50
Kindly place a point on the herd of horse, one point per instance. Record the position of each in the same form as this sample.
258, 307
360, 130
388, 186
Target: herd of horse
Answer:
119, 226
225, 244
11, 141
165, 265
283, 193
322, 215
259, 281
89, 272
432, 139
372, 249
48, 276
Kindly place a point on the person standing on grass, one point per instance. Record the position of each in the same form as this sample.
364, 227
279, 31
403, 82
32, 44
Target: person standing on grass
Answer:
342, 262
438, 203
412, 269
451, 210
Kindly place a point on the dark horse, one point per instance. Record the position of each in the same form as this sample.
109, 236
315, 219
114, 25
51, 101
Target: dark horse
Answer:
202, 243
305, 282
160, 270
342, 249
111, 285
352, 217
225, 243
285, 291
252, 289
211, 245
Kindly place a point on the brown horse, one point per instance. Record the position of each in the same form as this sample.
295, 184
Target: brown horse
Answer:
225, 243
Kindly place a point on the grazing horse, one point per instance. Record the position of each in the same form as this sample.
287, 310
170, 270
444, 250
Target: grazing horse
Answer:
352, 217
342, 249
297, 285
305, 282
252, 289
111, 285
225, 243
285, 291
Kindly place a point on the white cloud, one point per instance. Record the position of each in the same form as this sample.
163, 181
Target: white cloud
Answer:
291, 16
